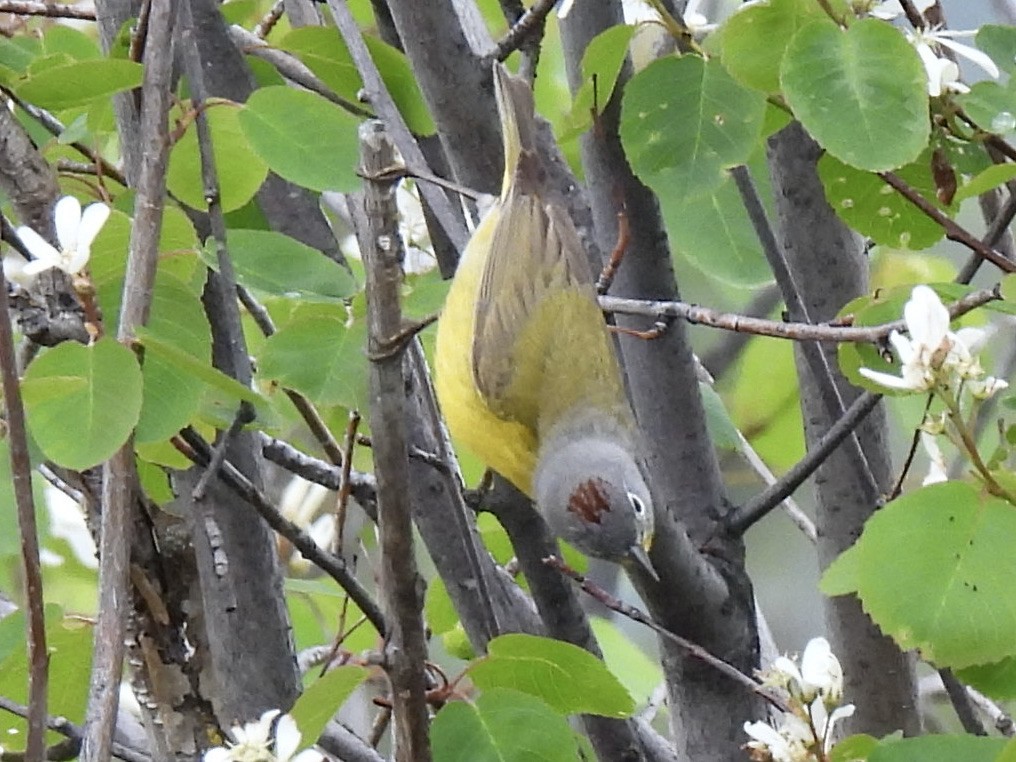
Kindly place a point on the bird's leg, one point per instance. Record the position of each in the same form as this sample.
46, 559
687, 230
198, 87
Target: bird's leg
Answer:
610, 269
395, 345
654, 332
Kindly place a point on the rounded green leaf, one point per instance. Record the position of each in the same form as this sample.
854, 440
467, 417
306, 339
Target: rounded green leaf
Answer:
601, 66
78, 84
239, 170
997, 680
502, 726
289, 130
935, 570
872, 208
991, 106
999, 42
280, 265
321, 357
570, 679
754, 39
684, 121
713, 232
939, 748
171, 394
861, 92
83, 402
322, 699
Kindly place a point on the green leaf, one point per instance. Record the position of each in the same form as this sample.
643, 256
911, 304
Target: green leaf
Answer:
195, 367
841, 577
990, 178
69, 645
325, 53
73, 42
996, 680
171, 394
754, 40
239, 170
502, 726
78, 84
934, 572
999, 42
853, 748
321, 357
17, 54
601, 65
639, 674
277, 264
712, 231
570, 679
289, 130
938, 748
398, 77
991, 106
721, 429
872, 208
684, 121
323, 698
83, 402
861, 93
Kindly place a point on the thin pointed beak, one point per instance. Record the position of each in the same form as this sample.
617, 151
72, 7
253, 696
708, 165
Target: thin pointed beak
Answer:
638, 554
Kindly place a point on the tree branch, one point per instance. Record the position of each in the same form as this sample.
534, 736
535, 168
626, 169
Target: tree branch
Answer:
119, 478
405, 647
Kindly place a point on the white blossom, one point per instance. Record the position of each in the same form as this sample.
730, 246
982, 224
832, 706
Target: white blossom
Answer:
943, 73
75, 232
932, 354
254, 742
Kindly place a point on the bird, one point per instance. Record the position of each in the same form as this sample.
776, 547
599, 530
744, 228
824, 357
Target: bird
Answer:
525, 369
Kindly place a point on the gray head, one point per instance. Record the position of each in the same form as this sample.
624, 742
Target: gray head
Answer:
593, 495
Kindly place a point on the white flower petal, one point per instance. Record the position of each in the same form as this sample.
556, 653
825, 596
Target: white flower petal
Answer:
92, 220
287, 738
38, 246
308, 755
67, 217
926, 317
888, 380
937, 471
14, 270
821, 669
973, 339
218, 754
972, 54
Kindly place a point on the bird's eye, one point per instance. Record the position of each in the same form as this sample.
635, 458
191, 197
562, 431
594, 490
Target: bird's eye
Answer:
636, 503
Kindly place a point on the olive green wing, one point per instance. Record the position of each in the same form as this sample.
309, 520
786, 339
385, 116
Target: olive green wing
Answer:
540, 346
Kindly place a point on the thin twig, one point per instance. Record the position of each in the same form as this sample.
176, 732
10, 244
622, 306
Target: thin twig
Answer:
199, 452
383, 104
50, 10
303, 406
996, 230
270, 19
795, 331
953, 231
21, 479
962, 703
740, 519
1002, 721
814, 356
531, 22
637, 615
68, 729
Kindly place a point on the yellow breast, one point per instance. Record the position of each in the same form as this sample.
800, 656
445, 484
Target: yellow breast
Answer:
506, 446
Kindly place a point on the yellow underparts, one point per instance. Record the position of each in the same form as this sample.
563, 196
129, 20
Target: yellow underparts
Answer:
508, 447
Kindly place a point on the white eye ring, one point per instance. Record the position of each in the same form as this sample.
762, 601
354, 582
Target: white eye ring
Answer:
636, 503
